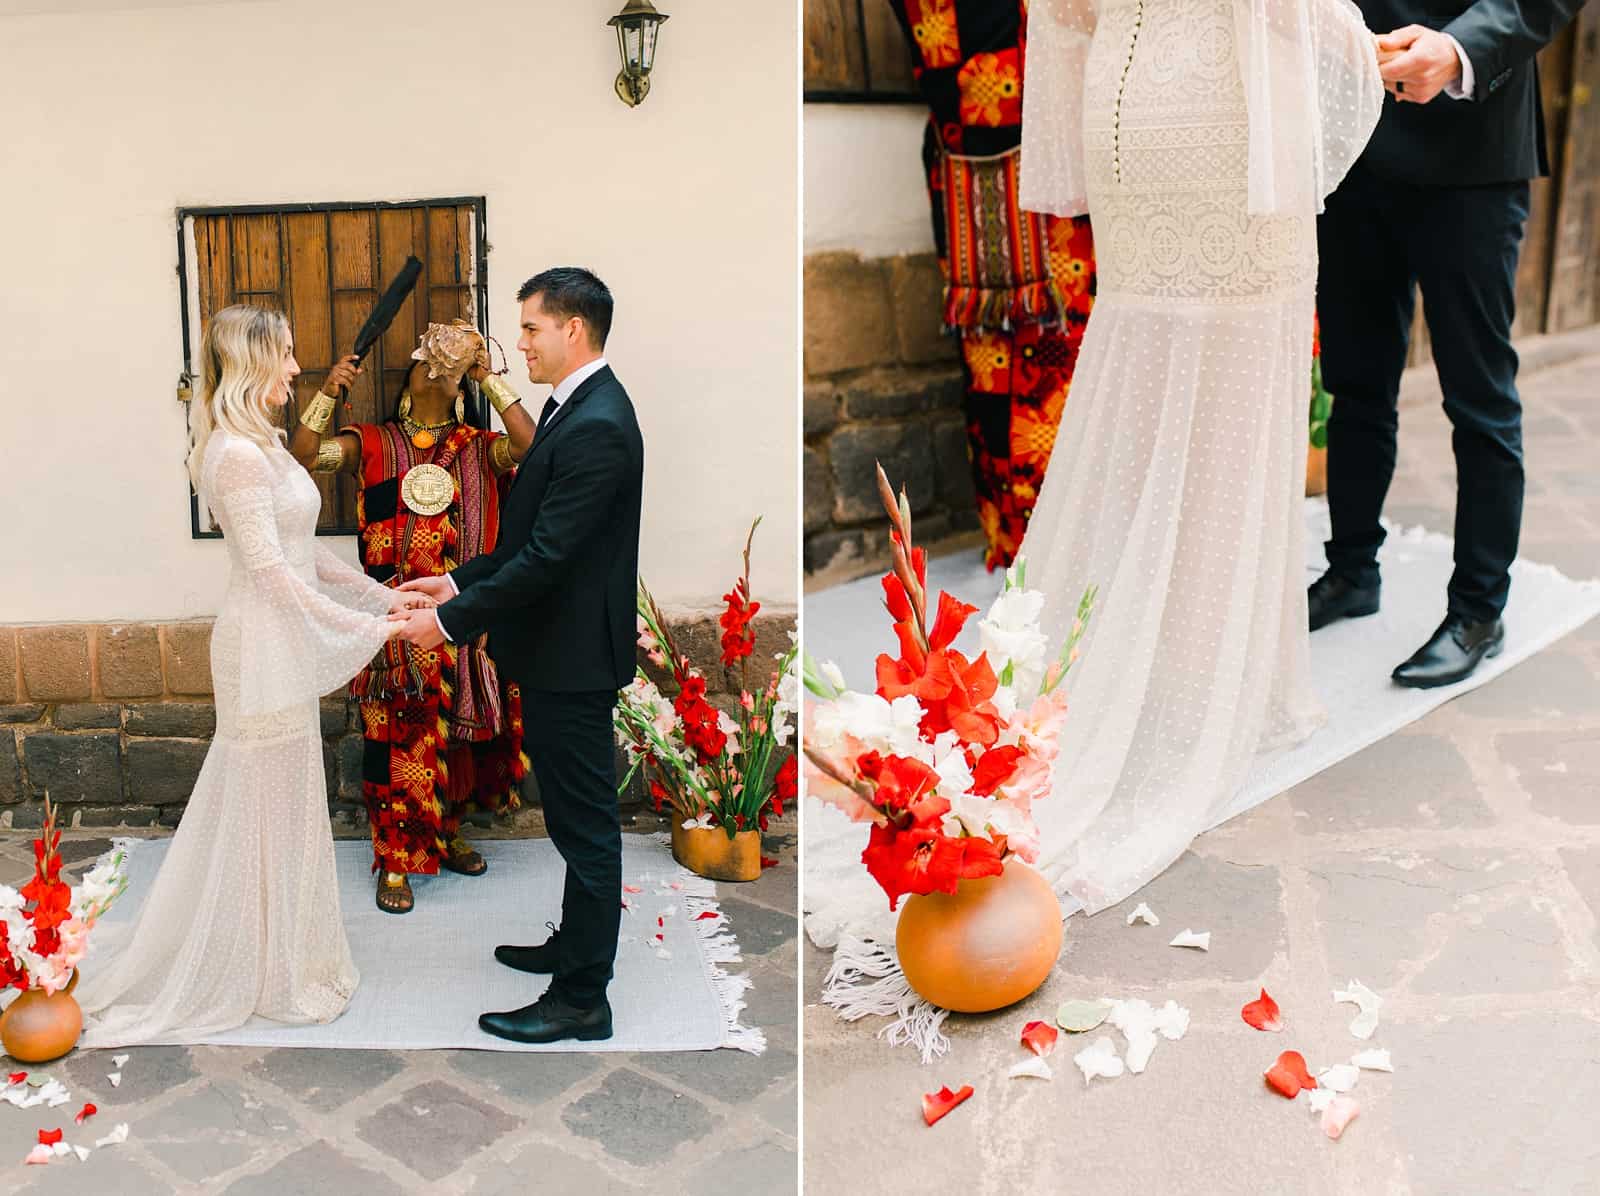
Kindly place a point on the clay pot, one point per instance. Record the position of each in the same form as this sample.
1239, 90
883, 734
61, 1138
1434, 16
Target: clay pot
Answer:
990, 945
708, 852
39, 1026
1316, 472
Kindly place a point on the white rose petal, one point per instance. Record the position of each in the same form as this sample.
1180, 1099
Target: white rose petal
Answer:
116, 1136
1341, 1077
1035, 1067
1376, 1059
1143, 913
1367, 1001
1200, 941
1099, 1059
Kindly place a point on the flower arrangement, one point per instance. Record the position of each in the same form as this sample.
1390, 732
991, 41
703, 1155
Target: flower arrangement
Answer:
947, 756
710, 768
1321, 400
44, 928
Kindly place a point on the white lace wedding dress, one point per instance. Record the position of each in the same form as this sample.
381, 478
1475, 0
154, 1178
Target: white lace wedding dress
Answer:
243, 918
1201, 136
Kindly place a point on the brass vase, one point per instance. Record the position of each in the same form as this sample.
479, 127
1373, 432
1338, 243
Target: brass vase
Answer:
989, 945
39, 1026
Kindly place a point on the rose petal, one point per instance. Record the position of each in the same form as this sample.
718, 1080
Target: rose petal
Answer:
1376, 1059
936, 1104
118, 1135
1035, 1067
38, 1155
61, 1150
768, 861
1040, 1038
1288, 1076
1263, 1014
17, 1077
119, 1061
1341, 1077
49, 1137
1199, 941
82, 1152
115, 1078
1143, 913
706, 915
632, 889
1320, 1098
1364, 999
88, 1111
1099, 1059
1341, 1111
1079, 1017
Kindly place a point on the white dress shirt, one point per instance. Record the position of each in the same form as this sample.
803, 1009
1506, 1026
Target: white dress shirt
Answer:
1462, 88
563, 391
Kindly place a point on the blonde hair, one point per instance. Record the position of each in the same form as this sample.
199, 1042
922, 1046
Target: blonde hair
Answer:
241, 363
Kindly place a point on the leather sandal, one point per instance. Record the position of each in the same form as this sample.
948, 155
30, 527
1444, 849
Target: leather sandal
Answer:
394, 893
464, 859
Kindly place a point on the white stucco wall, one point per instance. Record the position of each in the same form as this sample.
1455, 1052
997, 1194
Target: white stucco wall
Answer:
863, 179
117, 114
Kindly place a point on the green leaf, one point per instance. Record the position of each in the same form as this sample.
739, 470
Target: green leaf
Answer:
1321, 408
1079, 1017
1319, 436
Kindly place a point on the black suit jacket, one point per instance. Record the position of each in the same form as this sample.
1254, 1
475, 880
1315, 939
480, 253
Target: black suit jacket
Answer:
557, 595
1496, 137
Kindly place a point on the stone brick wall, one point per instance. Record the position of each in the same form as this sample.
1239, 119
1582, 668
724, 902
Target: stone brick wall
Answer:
112, 720
882, 383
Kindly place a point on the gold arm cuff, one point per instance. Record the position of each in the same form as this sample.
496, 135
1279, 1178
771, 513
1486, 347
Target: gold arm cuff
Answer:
500, 458
319, 413
500, 395
330, 456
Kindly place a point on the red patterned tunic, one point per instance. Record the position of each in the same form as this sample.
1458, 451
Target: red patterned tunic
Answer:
443, 734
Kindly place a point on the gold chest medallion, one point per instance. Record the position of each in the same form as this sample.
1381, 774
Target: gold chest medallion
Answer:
427, 489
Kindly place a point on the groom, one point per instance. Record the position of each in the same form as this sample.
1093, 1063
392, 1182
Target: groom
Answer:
557, 597
1438, 198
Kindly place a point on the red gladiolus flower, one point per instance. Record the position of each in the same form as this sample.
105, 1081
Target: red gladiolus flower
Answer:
785, 785
738, 638
994, 769
936, 1104
1263, 1014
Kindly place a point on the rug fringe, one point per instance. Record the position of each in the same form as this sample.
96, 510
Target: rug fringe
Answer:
865, 980
719, 947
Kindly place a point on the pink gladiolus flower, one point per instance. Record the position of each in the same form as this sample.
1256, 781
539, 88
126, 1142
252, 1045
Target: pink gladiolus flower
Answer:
747, 701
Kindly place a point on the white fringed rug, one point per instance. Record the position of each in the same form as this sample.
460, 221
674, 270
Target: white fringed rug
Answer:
1350, 666
427, 975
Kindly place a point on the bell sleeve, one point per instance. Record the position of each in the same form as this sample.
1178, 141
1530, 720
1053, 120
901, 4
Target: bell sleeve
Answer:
1051, 170
1313, 96
296, 642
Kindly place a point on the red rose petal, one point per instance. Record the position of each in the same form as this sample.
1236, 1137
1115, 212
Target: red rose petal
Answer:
1040, 1037
632, 889
49, 1137
936, 1104
1288, 1076
1263, 1014
706, 915
768, 861
17, 1077
85, 1113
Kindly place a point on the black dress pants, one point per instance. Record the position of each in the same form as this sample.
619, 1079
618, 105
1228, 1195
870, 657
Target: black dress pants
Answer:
569, 741
1376, 240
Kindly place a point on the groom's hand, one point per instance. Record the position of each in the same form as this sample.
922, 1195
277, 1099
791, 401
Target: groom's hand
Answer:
437, 588
412, 601
1417, 63
419, 627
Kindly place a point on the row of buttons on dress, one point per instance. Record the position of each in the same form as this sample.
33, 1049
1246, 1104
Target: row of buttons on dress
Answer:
1122, 86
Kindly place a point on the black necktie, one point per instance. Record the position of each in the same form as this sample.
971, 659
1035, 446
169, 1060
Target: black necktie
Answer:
549, 409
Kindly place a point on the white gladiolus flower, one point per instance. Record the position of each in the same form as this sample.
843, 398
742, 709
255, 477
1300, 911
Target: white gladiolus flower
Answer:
1010, 635
832, 675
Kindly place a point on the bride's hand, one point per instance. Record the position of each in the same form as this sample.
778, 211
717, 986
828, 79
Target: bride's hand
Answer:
409, 600
436, 588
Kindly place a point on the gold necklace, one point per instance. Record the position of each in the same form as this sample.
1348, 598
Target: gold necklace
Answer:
422, 435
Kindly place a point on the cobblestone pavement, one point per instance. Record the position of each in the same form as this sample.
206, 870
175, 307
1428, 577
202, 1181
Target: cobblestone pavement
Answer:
249, 1121
1454, 868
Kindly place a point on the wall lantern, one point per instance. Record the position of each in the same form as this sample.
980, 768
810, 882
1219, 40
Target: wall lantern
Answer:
637, 26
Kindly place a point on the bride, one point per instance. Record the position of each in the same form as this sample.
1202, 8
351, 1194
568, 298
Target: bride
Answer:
1201, 136
243, 918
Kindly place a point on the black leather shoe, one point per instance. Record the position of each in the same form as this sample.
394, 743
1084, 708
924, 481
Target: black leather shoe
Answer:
1331, 597
550, 1019
1457, 648
540, 960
